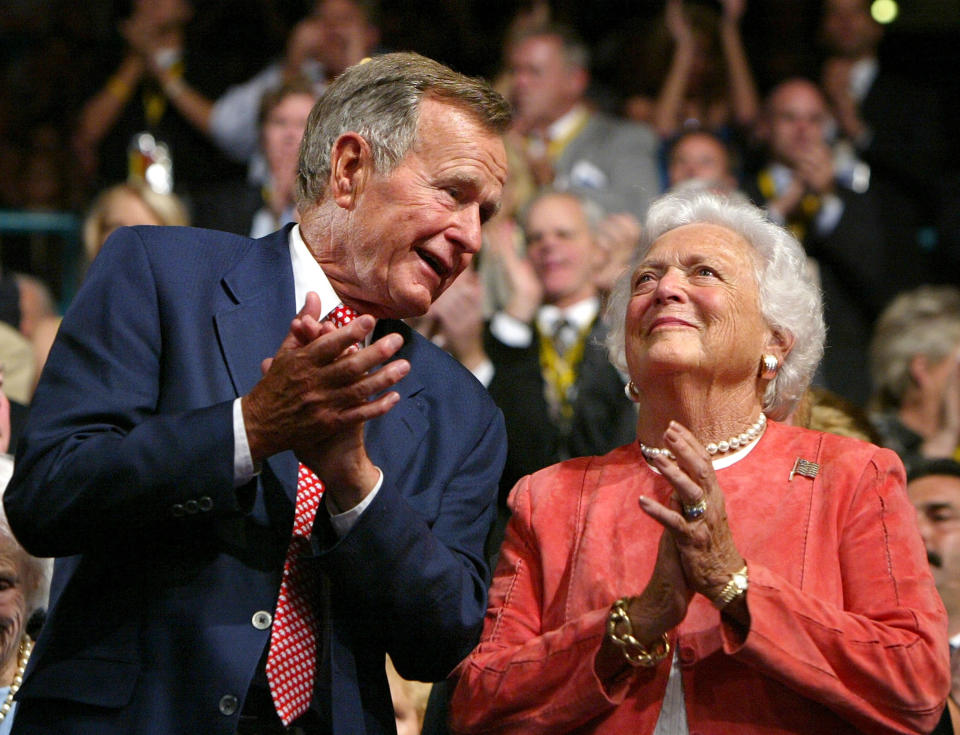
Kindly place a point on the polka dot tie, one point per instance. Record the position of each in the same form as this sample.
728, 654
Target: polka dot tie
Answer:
292, 658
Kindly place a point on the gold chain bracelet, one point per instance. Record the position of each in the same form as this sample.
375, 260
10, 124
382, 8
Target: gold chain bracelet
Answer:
634, 651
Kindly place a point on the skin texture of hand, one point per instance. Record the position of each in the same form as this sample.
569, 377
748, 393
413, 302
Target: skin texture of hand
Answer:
458, 319
815, 167
315, 396
139, 33
618, 236
305, 41
526, 293
707, 552
836, 84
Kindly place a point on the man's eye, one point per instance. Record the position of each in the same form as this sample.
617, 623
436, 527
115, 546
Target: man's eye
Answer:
706, 271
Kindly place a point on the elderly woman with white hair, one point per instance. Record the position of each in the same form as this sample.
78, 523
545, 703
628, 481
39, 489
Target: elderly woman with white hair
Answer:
726, 572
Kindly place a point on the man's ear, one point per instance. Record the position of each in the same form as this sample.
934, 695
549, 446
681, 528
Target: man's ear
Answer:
351, 164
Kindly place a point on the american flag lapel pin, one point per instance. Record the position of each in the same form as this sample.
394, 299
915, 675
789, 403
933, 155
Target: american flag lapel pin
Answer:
804, 467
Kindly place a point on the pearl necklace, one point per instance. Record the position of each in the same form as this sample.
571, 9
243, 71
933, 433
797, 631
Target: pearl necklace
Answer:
735, 442
26, 648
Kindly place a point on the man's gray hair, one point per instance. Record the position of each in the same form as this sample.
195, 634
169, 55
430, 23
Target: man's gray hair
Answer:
380, 100
924, 321
790, 301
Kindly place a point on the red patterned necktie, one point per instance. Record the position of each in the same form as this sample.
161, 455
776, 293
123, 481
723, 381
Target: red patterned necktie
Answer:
292, 658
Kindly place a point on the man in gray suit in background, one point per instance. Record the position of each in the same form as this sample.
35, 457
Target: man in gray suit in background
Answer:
566, 143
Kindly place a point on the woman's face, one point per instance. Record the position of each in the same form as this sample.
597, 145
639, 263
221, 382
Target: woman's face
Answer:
694, 307
13, 602
282, 132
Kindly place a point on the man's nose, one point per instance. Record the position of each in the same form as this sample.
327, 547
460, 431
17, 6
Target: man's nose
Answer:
469, 229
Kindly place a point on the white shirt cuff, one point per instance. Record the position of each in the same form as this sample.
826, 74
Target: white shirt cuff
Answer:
510, 330
831, 210
484, 372
243, 469
343, 522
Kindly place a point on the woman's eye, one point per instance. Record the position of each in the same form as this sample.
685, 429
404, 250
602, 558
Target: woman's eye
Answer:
706, 271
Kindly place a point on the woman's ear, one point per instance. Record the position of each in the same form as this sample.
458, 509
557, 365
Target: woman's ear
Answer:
919, 370
779, 343
351, 164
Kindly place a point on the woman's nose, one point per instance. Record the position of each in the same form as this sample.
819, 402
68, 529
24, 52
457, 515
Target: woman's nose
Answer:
670, 285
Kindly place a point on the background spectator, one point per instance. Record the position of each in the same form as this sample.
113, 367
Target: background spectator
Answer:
126, 205
915, 364
839, 227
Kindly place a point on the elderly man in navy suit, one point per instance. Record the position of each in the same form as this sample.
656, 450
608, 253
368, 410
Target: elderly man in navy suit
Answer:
184, 425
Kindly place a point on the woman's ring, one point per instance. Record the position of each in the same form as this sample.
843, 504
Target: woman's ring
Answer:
694, 511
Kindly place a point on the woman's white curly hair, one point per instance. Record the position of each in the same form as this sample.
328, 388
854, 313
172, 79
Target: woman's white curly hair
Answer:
790, 301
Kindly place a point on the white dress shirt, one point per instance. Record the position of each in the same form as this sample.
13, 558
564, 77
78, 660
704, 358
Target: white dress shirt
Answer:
515, 333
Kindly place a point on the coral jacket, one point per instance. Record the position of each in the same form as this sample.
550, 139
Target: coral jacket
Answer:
847, 631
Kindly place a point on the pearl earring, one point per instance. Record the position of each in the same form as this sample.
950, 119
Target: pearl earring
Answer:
769, 364
631, 391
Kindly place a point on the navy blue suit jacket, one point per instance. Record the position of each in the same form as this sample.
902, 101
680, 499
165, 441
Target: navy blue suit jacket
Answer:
126, 473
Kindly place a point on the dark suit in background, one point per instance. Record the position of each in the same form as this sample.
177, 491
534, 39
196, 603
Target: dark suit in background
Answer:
603, 418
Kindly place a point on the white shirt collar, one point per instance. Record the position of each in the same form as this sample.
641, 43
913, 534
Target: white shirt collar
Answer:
309, 276
781, 175
563, 125
579, 315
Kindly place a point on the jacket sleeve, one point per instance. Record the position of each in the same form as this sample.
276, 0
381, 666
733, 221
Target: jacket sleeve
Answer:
522, 679
880, 660
99, 463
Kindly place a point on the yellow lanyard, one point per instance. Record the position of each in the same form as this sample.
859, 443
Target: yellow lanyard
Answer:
555, 147
809, 205
155, 102
560, 373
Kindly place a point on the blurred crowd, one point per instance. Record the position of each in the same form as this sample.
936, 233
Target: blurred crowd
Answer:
171, 112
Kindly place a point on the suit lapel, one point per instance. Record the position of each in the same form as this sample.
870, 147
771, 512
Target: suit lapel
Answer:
253, 320
257, 310
392, 439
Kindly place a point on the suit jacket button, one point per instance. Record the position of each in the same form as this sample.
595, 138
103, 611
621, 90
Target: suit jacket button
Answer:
205, 503
177, 510
191, 506
228, 704
261, 620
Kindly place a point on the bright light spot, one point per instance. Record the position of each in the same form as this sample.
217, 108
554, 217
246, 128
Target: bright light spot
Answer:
884, 11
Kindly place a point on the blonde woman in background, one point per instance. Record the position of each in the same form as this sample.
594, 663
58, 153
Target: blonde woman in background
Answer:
125, 205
